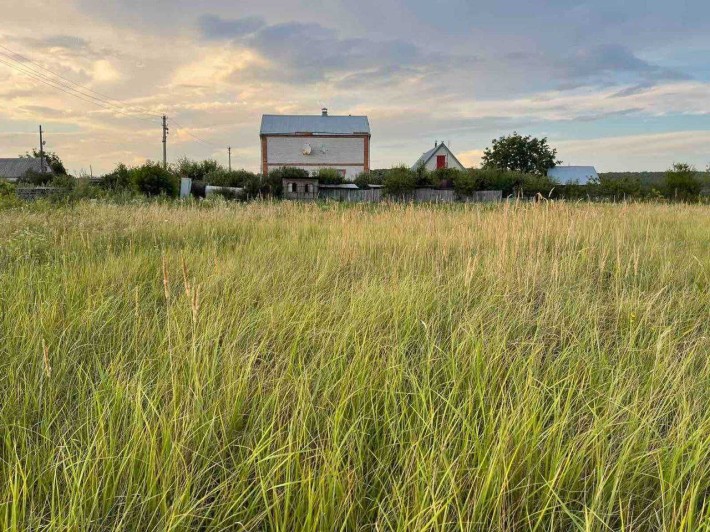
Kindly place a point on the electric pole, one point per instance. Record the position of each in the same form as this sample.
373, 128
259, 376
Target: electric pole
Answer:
41, 150
229, 149
165, 141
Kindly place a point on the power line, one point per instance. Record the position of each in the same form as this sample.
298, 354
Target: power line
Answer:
99, 96
206, 142
70, 91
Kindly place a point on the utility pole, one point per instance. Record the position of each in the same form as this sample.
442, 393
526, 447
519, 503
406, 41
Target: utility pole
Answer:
229, 149
41, 150
165, 141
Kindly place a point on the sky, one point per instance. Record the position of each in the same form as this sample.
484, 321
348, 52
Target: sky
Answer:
623, 86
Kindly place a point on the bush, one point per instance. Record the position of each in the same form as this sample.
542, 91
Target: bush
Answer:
329, 176
682, 183
6, 189
36, 179
153, 180
373, 177
224, 178
118, 180
399, 181
196, 170
444, 177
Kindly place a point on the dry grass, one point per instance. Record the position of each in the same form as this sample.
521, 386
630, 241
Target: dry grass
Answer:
306, 367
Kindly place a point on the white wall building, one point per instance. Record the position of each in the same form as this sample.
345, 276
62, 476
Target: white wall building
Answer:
313, 142
440, 156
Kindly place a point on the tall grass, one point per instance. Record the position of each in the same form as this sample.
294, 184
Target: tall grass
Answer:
306, 367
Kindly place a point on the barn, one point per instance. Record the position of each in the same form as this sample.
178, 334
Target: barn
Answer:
440, 156
311, 142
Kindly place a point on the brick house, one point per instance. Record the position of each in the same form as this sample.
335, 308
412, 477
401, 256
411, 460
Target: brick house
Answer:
311, 142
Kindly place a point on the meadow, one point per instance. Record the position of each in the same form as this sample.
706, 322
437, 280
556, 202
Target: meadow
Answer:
277, 366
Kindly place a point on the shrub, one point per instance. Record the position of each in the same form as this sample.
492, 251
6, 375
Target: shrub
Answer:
118, 180
399, 181
36, 179
329, 176
373, 177
196, 170
683, 183
224, 178
444, 177
153, 180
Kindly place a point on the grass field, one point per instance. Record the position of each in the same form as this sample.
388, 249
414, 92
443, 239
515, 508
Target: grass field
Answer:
308, 367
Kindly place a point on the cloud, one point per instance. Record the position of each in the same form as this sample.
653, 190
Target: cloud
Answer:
215, 27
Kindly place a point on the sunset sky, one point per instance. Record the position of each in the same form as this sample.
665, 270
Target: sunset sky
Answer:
620, 85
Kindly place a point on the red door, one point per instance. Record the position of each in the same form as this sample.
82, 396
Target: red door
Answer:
440, 161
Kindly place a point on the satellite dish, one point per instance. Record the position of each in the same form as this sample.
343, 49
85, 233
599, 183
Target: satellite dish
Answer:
307, 150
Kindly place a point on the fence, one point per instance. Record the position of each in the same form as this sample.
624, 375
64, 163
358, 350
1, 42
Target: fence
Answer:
351, 194
34, 193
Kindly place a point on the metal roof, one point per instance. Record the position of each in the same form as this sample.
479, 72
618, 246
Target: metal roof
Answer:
315, 124
17, 167
573, 174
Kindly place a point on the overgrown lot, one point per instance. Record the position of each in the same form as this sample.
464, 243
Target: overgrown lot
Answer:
306, 367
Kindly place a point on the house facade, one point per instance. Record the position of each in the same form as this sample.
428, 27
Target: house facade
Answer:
312, 142
440, 156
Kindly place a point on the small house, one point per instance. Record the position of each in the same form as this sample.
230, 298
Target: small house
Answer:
300, 188
440, 156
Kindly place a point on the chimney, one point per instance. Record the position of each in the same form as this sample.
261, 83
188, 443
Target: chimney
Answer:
324, 111
436, 143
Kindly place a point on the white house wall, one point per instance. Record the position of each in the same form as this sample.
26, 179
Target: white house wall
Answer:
431, 164
345, 153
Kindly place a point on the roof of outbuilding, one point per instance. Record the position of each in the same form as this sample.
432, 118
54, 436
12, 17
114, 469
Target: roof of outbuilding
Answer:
17, 167
316, 124
573, 174
426, 156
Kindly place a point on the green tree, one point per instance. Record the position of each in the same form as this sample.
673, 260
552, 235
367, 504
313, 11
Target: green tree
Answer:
51, 158
521, 154
683, 182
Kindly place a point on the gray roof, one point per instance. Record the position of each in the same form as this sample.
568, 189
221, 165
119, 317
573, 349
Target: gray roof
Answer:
429, 154
19, 166
573, 174
316, 124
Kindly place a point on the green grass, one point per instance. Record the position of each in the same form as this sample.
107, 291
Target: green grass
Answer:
305, 367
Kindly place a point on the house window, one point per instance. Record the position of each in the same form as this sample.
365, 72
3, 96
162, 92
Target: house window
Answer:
342, 172
292, 187
306, 188
440, 161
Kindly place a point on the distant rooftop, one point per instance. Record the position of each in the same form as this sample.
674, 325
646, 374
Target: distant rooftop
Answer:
323, 124
17, 167
573, 174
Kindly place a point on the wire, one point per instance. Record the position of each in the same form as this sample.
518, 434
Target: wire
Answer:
99, 96
183, 128
83, 93
75, 93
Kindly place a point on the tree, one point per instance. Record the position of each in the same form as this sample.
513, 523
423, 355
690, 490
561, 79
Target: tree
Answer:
521, 154
682, 182
51, 158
